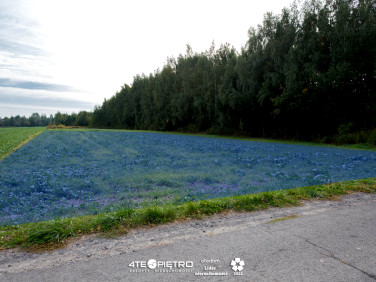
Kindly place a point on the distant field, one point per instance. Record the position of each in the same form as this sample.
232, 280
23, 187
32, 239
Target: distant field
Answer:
11, 137
68, 173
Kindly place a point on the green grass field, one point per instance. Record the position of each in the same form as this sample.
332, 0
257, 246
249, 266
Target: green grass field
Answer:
12, 138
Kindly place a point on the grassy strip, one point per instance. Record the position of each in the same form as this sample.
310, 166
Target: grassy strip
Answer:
54, 233
21, 144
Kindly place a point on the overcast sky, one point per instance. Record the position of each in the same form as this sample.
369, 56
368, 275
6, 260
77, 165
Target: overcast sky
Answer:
68, 55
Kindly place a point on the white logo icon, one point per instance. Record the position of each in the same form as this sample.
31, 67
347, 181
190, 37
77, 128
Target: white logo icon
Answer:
237, 264
152, 263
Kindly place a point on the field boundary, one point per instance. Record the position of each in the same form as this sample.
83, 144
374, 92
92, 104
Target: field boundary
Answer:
363, 147
31, 137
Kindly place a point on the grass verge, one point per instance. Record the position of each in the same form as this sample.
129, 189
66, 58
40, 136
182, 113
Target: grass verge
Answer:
56, 233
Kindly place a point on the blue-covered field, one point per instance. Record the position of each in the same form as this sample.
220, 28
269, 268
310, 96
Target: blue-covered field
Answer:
66, 173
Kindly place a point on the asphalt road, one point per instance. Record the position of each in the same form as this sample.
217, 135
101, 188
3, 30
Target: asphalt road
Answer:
323, 241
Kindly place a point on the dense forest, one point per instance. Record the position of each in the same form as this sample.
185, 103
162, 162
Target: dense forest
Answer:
306, 73
81, 119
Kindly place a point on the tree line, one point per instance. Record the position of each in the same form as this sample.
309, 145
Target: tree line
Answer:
83, 118
305, 73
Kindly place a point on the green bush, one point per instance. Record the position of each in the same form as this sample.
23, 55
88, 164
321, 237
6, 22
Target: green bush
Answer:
359, 137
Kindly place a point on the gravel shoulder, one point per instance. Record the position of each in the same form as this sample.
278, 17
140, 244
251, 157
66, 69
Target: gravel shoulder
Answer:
270, 250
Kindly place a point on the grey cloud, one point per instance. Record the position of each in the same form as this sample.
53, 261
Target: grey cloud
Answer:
19, 41
21, 59
17, 33
5, 82
43, 101
18, 49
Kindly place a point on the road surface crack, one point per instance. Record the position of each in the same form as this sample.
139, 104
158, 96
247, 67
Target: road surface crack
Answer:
331, 255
